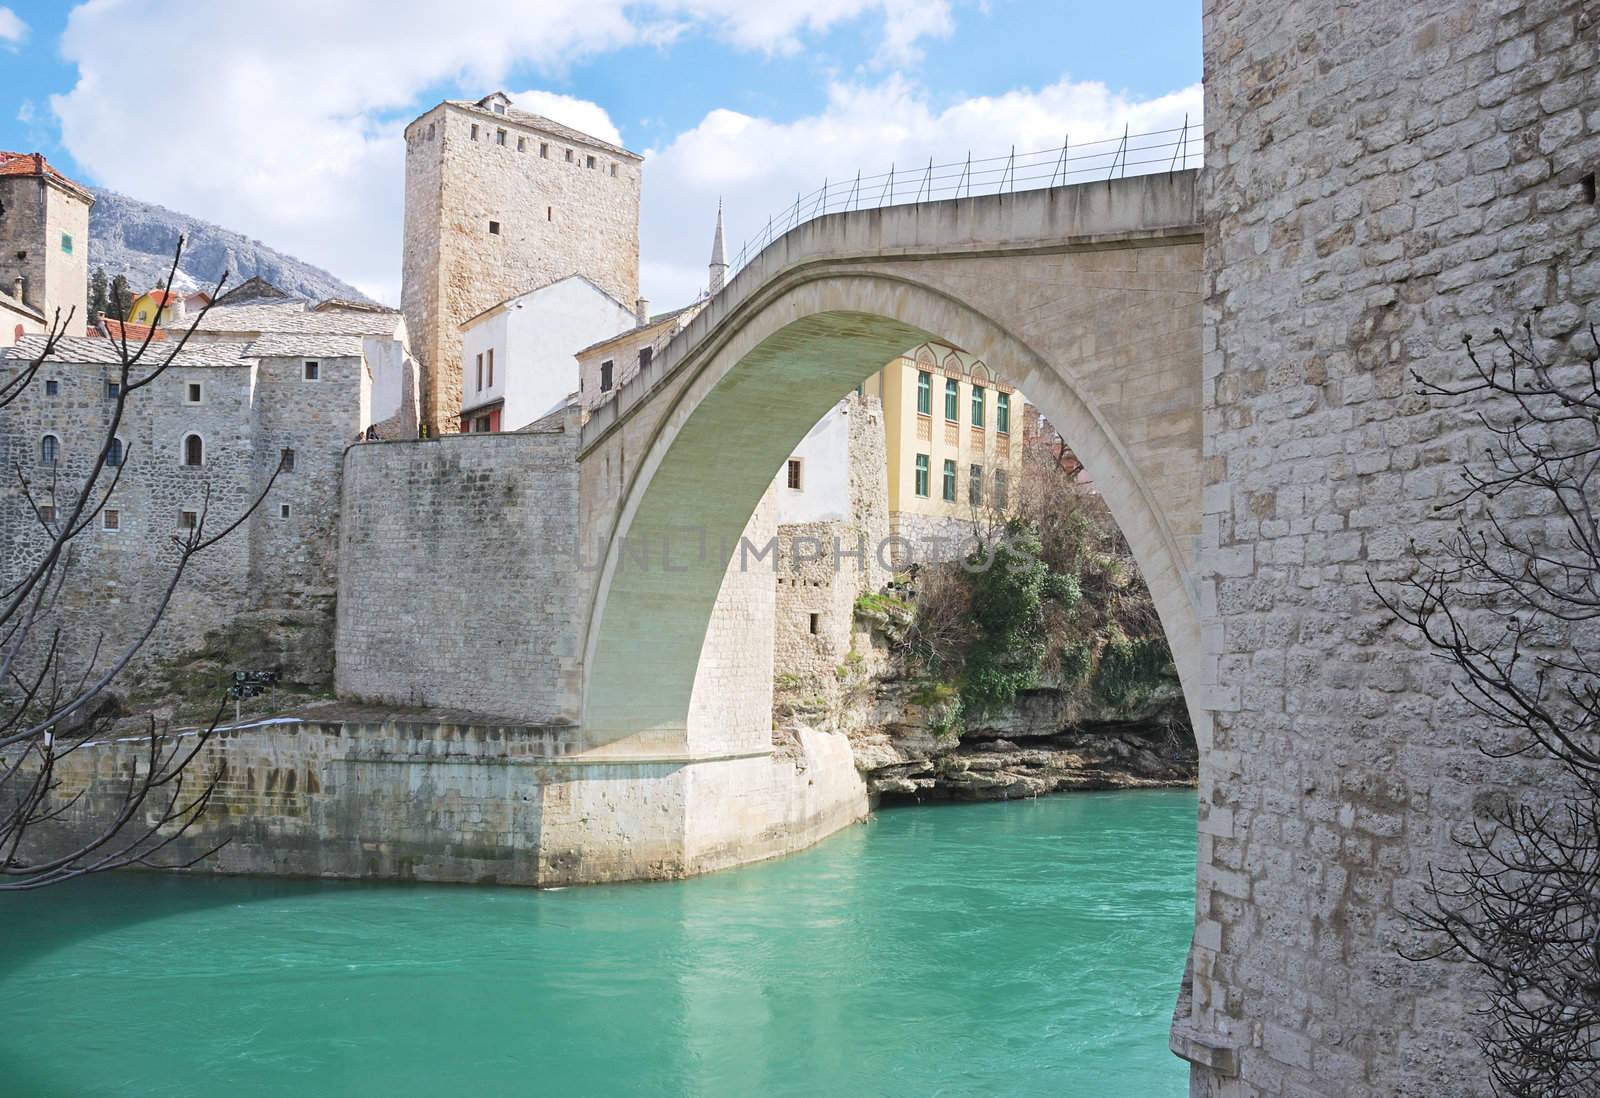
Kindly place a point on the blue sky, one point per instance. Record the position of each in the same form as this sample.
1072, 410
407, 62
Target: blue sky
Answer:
281, 121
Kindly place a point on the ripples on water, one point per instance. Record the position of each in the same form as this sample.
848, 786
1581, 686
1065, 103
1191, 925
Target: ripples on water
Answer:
997, 949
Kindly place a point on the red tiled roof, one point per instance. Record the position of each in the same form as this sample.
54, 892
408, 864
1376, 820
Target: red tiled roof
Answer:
113, 328
27, 164
161, 296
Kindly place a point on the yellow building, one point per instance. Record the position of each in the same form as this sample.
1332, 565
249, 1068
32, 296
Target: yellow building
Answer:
953, 432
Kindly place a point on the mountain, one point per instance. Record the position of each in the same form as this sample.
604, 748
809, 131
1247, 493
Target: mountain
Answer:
136, 239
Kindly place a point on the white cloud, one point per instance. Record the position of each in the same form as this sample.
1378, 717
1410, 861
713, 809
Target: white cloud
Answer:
757, 166
580, 114
281, 122
12, 29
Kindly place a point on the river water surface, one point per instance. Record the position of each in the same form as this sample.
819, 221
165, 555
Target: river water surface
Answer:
1025, 948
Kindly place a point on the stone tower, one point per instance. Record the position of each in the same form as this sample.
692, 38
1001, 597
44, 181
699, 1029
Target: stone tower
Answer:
498, 202
44, 240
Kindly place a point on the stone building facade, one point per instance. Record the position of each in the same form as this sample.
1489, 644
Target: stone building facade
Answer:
831, 555
949, 427
44, 248
499, 201
1381, 181
258, 390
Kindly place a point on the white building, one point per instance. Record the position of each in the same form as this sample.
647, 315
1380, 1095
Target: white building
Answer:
518, 357
814, 484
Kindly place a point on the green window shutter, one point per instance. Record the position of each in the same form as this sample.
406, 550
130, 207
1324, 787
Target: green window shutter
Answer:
949, 480
66, 243
924, 393
952, 404
1002, 413
922, 475
977, 405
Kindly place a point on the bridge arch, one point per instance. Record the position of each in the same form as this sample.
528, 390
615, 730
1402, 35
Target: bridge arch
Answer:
686, 472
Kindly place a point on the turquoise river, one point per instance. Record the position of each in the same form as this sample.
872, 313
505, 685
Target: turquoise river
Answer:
1023, 948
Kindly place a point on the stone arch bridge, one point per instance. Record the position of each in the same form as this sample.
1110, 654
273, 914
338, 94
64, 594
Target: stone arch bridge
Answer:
1087, 296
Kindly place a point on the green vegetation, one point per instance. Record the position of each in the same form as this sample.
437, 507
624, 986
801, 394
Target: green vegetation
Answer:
1052, 596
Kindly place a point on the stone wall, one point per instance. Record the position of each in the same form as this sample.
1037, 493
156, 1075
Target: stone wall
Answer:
555, 218
1382, 180
465, 800
461, 579
820, 577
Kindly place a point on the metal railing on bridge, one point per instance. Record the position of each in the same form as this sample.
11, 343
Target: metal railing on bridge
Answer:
1166, 150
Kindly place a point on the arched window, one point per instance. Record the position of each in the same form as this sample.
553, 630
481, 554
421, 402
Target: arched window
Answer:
194, 450
49, 450
114, 453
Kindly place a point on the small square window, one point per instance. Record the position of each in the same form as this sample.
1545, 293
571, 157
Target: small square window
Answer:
474, 131
188, 520
66, 243
816, 623
522, 144
193, 392
569, 156
283, 510
613, 171
313, 370
111, 519
430, 131
588, 162
286, 460
494, 228
47, 512
544, 150
499, 137
113, 390
606, 369
52, 388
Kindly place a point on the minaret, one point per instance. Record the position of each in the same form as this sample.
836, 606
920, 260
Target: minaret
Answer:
719, 260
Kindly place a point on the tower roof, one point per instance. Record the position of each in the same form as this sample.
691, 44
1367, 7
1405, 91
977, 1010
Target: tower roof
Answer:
35, 164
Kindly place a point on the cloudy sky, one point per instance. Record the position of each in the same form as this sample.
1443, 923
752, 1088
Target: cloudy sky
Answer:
282, 121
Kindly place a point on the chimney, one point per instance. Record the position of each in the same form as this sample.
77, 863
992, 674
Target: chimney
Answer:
641, 311
179, 310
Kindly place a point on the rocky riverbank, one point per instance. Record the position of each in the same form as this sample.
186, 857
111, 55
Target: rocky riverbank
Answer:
1050, 742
